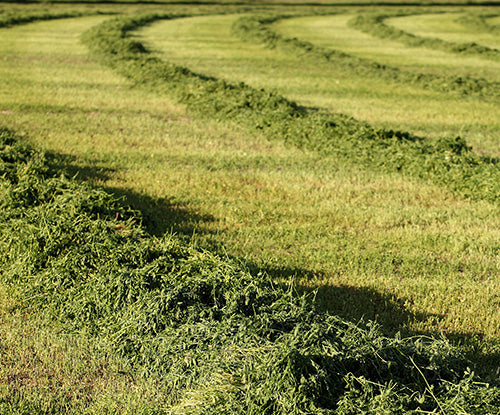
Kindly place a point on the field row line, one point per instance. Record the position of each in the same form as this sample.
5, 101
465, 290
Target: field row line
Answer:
18, 18
374, 24
223, 340
204, 325
445, 161
479, 22
257, 29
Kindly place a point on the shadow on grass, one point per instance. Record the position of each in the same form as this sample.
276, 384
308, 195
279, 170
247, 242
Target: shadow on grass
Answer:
166, 215
159, 215
349, 302
162, 215
363, 304
483, 354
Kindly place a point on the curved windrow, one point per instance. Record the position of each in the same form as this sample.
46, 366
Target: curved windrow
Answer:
446, 161
452, 27
17, 18
480, 22
225, 341
375, 25
239, 342
256, 29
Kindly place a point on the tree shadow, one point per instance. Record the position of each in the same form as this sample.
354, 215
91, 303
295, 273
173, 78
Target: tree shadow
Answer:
350, 302
159, 215
362, 304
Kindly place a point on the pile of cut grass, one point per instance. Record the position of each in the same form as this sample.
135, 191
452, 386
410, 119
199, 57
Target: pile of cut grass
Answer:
479, 22
223, 340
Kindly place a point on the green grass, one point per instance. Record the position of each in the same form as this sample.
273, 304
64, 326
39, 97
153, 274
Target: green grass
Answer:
336, 32
215, 192
446, 27
219, 338
376, 24
358, 264
45, 369
375, 243
402, 106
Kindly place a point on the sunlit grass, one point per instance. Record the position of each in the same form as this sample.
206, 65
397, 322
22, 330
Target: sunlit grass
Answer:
280, 209
402, 106
380, 246
206, 45
44, 370
444, 26
334, 32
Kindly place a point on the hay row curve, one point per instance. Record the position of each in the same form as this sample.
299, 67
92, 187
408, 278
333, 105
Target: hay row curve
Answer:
236, 340
479, 22
447, 161
14, 19
208, 328
257, 29
374, 24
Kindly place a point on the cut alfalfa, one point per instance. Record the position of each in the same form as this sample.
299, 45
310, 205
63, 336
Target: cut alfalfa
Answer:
222, 339
464, 172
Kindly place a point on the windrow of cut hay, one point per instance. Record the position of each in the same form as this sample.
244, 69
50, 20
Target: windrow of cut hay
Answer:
447, 161
478, 22
374, 24
256, 29
223, 340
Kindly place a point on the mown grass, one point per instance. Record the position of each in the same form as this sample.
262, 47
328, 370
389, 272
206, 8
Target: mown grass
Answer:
238, 342
337, 32
46, 369
376, 25
230, 218
199, 100
449, 27
389, 103
401, 246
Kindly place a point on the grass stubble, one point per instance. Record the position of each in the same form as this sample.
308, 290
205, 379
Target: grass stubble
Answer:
235, 164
